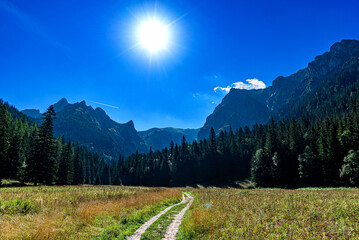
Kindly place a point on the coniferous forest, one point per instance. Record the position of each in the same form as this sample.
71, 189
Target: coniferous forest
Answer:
29, 153
317, 144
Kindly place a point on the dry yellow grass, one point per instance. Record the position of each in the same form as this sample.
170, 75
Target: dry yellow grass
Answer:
76, 212
272, 214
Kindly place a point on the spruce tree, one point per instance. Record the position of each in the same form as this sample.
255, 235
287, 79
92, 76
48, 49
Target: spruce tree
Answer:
13, 162
42, 163
66, 169
4, 139
79, 171
350, 168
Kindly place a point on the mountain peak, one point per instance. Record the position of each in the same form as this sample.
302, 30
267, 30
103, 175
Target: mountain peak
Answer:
62, 101
61, 104
130, 124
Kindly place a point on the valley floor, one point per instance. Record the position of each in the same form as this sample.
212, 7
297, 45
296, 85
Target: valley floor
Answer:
110, 212
79, 212
272, 214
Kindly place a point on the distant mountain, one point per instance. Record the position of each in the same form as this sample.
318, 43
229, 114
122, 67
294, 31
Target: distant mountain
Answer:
60, 105
94, 128
34, 113
241, 108
159, 138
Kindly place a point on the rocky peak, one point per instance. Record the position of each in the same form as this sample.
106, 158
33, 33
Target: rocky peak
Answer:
61, 104
330, 61
130, 124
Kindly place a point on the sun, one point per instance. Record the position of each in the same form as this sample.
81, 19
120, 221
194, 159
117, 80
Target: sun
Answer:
153, 35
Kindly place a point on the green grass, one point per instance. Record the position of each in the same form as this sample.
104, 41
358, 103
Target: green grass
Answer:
18, 206
272, 214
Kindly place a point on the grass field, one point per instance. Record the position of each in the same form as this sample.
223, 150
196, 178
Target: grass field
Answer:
272, 214
79, 212
109, 212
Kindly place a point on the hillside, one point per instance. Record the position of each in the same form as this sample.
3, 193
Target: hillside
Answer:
94, 129
248, 107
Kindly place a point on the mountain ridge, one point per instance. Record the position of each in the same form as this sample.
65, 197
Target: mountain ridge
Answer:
282, 95
94, 129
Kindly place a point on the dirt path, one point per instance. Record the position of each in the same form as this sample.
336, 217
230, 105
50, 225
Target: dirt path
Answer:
174, 226
143, 228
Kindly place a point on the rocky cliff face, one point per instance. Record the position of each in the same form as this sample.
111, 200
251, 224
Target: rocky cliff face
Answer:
238, 108
248, 107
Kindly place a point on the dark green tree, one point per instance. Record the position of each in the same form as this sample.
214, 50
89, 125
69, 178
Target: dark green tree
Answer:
79, 170
309, 167
66, 167
350, 168
4, 139
42, 163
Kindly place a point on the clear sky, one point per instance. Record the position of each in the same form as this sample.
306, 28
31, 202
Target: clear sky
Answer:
86, 50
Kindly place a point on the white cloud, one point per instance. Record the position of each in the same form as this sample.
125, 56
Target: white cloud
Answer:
251, 84
226, 89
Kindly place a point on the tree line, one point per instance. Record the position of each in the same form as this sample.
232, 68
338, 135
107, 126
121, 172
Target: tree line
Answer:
287, 153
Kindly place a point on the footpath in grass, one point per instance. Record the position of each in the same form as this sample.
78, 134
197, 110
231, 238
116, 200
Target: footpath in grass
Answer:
126, 226
158, 229
166, 223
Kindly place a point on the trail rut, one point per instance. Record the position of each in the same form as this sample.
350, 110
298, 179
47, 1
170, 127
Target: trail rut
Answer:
173, 227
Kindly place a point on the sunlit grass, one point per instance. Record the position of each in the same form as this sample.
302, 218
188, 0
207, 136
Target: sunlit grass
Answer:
272, 214
79, 212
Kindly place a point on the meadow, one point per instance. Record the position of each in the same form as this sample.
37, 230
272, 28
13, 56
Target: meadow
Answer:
112, 212
79, 212
272, 214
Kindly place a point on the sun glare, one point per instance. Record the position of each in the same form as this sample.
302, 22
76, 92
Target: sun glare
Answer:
153, 35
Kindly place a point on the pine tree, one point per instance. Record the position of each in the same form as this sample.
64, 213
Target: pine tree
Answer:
309, 167
42, 164
350, 168
261, 169
66, 169
79, 172
106, 176
13, 162
4, 139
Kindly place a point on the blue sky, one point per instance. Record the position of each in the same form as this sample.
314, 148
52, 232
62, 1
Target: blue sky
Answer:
81, 50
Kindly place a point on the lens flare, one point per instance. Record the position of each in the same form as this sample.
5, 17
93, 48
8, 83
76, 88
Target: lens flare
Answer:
153, 35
